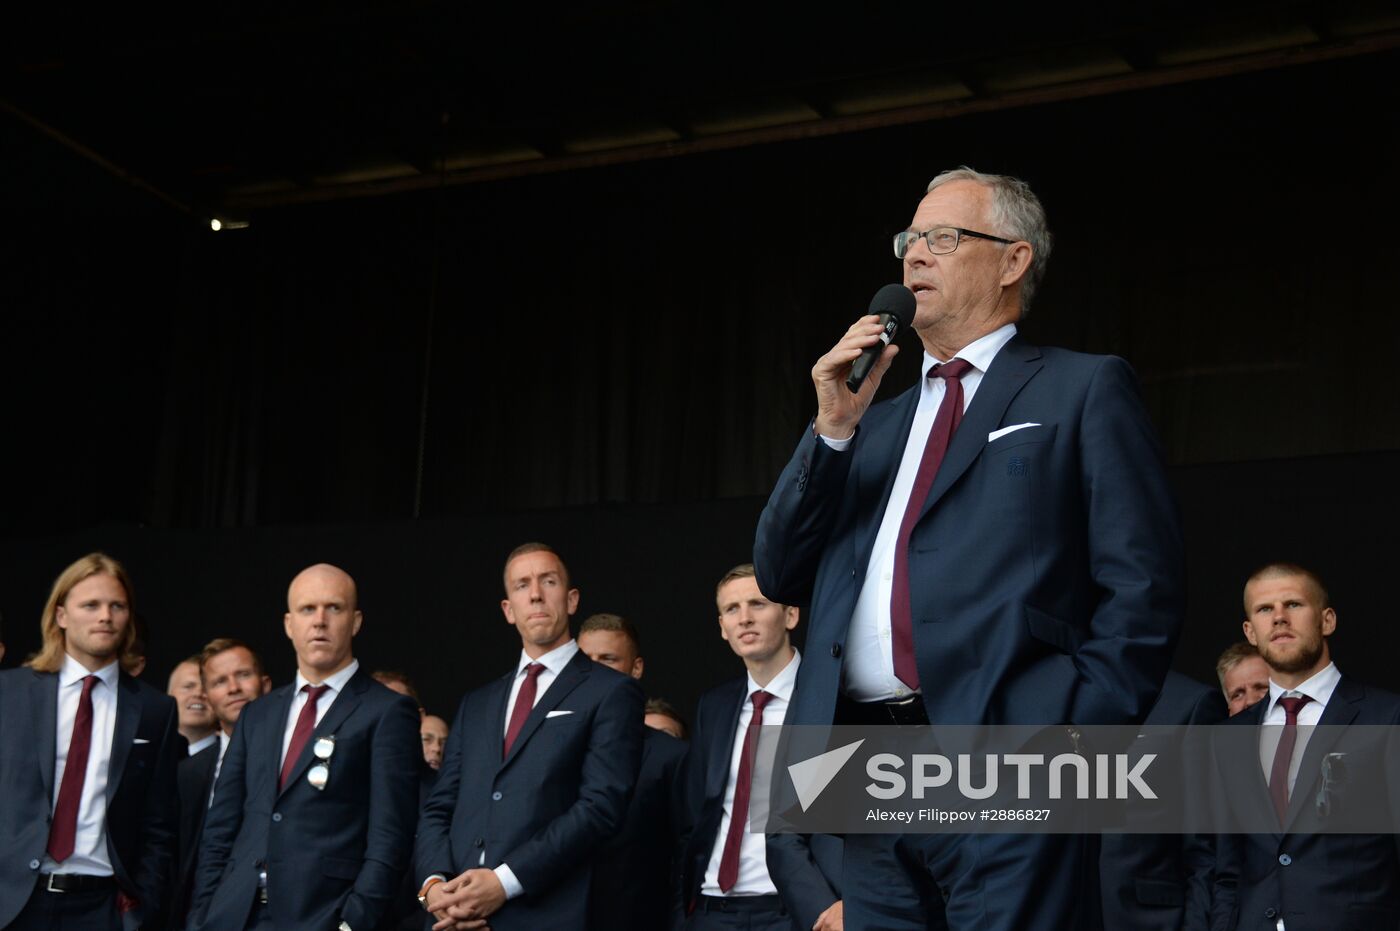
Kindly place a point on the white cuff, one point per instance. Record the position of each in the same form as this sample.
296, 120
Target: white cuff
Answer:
508, 881
837, 445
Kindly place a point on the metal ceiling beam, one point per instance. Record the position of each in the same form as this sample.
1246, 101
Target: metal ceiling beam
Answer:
811, 129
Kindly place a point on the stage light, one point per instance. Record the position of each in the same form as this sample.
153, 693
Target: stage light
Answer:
223, 223
216, 224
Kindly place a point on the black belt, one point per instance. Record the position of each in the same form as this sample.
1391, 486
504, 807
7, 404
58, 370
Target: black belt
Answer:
902, 711
77, 882
740, 903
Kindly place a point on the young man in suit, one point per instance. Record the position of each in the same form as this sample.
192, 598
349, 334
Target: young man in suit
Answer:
540, 766
313, 813
998, 545
1293, 879
87, 762
231, 675
734, 879
633, 877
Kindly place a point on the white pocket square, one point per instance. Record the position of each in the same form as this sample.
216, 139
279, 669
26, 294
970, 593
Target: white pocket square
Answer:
998, 434
557, 714
140, 740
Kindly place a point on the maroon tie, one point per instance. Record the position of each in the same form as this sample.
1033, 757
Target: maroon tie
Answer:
524, 702
306, 723
950, 414
64, 831
729, 859
1278, 775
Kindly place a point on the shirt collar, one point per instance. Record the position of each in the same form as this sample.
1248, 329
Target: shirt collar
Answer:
336, 681
223, 743
781, 685
204, 743
1319, 688
74, 671
555, 660
980, 352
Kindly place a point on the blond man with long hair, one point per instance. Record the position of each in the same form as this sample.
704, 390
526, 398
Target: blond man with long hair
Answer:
87, 759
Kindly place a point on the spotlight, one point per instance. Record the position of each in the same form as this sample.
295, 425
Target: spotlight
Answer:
217, 224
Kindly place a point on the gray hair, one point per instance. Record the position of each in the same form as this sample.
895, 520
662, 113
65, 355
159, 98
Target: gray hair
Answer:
1016, 213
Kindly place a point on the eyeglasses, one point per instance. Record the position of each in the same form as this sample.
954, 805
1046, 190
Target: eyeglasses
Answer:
941, 240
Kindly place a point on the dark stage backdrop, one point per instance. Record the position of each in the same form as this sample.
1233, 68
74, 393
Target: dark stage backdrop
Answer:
431, 589
643, 334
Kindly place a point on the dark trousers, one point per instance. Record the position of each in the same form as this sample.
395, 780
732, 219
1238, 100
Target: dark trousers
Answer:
971, 882
259, 918
740, 913
68, 911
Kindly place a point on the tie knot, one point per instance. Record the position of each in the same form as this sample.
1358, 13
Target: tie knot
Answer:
534, 669
314, 692
760, 698
89, 682
1291, 705
955, 369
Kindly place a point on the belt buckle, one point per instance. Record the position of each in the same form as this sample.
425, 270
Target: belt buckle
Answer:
50, 887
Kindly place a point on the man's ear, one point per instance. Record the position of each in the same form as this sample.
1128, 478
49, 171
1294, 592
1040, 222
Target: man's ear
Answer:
790, 618
505, 609
1249, 634
1015, 263
1329, 622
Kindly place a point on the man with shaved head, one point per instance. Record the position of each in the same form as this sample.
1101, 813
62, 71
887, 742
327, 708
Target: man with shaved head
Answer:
314, 810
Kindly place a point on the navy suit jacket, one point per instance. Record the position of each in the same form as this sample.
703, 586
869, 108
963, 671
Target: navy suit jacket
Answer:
194, 778
633, 877
546, 808
333, 854
1329, 882
140, 790
1046, 568
1162, 882
805, 870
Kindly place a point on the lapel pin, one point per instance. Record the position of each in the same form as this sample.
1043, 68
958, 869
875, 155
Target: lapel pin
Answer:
318, 776
324, 748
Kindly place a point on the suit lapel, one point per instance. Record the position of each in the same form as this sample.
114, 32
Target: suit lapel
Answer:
281, 700
344, 705
128, 718
1012, 368
722, 747
568, 679
882, 449
1243, 756
1341, 710
44, 697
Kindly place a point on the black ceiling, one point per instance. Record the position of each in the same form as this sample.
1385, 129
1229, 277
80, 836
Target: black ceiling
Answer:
228, 111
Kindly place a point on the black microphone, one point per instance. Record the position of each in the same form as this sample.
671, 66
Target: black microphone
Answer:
895, 305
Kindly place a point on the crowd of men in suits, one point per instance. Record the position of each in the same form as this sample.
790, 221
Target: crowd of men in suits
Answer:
996, 545
335, 802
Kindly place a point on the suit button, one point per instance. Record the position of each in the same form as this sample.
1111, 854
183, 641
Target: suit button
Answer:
276, 816
1270, 913
1284, 859
836, 650
33, 864
495, 796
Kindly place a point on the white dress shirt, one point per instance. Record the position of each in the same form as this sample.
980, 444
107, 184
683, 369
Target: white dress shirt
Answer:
1319, 688
868, 671
753, 848
90, 848
335, 684
553, 662
219, 763
203, 742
